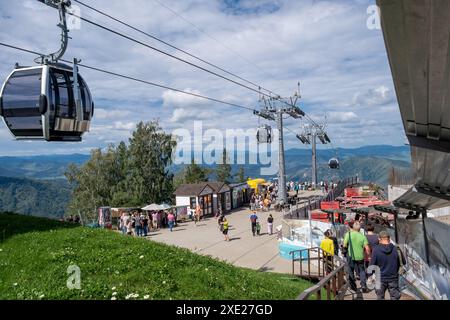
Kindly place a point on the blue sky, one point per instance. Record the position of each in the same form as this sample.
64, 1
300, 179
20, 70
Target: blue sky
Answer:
341, 64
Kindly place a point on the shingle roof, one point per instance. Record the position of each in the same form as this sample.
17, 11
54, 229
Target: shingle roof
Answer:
217, 186
191, 189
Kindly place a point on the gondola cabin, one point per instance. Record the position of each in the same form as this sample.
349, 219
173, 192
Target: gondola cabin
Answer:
44, 102
333, 163
264, 134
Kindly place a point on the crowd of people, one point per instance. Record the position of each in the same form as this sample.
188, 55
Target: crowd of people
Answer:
140, 224
363, 248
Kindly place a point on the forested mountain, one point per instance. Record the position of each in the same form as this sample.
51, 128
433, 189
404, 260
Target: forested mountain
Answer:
31, 197
37, 186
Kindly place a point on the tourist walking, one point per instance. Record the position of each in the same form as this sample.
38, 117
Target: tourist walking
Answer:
270, 225
372, 238
389, 259
327, 245
355, 243
137, 225
225, 228
253, 221
171, 220
198, 213
144, 219
155, 220
258, 228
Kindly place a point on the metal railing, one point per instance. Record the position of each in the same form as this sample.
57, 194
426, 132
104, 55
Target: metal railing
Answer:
330, 273
301, 209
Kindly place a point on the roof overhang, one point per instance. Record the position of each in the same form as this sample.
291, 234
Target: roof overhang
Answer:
417, 37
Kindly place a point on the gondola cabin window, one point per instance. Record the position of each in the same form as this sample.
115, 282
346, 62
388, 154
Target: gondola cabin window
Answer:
21, 103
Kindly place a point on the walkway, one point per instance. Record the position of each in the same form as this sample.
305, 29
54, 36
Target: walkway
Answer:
244, 250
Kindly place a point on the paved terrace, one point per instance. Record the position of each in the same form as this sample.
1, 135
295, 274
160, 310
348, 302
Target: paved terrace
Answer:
244, 250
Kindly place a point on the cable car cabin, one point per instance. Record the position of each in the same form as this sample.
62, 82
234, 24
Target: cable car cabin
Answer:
40, 103
333, 163
264, 134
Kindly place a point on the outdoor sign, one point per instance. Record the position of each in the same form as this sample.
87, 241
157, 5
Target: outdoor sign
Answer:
104, 217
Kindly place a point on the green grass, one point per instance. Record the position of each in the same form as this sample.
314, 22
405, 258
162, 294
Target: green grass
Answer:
35, 254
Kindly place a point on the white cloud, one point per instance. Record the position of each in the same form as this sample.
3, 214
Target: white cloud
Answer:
341, 117
178, 99
119, 125
379, 96
105, 114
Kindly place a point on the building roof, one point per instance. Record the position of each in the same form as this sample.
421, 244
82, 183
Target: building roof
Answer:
219, 186
194, 189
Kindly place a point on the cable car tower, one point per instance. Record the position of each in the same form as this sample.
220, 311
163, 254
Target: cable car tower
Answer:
312, 132
51, 101
274, 109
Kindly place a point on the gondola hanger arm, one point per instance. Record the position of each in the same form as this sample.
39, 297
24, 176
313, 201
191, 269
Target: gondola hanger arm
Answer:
62, 6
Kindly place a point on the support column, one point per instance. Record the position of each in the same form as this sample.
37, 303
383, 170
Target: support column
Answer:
282, 194
314, 159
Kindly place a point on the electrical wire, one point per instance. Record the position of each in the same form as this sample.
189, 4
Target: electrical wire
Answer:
134, 79
170, 45
175, 57
212, 38
167, 54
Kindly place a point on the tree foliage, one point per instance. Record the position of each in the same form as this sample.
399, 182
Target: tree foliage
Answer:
126, 175
240, 175
194, 173
223, 171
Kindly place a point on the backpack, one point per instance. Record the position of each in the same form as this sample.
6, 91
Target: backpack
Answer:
401, 269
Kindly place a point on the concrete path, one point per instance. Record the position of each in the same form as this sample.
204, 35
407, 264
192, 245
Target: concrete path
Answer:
359, 295
244, 250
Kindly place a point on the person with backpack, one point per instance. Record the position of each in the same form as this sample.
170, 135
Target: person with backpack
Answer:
372, 237
391, 261
137, 225
144, 219
253, 220
355, 243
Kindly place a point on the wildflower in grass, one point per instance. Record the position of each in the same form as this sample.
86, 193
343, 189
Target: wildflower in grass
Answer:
15, 284
113, 298
164, 282
114, 293
141, 257
146, 297
113, 288
41, 296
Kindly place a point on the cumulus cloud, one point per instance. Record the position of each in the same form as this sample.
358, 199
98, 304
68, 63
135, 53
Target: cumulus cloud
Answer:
111, 114
341, 117
379, 96
178, 99
120, 125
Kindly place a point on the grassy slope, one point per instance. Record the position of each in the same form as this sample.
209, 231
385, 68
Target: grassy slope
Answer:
36, 253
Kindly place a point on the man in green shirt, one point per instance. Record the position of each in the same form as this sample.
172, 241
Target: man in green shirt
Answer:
355, 243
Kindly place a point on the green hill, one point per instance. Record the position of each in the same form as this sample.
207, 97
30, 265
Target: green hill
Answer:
36, 252
45, 198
